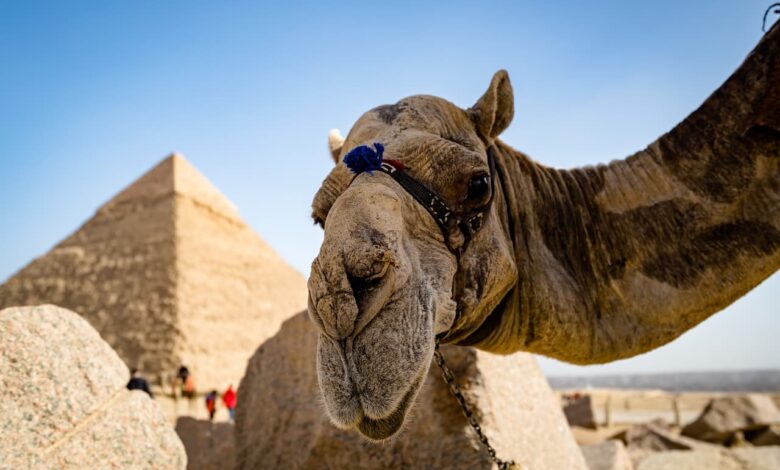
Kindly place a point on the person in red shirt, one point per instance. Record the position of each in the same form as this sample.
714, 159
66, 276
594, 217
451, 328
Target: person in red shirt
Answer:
229, 399
211, 403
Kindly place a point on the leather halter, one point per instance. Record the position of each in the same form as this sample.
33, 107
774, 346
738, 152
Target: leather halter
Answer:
447, 219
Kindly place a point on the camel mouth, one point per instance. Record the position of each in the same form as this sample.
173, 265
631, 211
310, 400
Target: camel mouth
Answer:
378, 429
376, 416
369, 382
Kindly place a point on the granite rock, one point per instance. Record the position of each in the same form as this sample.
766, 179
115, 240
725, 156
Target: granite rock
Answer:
281, 422
63, 401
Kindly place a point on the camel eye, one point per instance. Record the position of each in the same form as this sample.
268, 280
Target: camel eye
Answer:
479, 188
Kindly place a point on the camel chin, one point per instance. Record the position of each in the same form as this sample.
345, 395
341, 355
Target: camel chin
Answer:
383, 428
370, 383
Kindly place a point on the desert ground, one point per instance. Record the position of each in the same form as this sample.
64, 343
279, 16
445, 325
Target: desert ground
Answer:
618, 409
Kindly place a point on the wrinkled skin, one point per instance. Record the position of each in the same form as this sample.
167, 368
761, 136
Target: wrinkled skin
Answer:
382, 285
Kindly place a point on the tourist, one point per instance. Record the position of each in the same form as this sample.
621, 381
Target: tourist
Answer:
187, 382
188, 388
229, 399
138, 383
183, 373
211, 403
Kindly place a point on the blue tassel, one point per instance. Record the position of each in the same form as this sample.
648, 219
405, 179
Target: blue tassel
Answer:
363, 158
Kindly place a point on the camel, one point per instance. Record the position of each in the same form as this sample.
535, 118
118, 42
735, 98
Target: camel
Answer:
586, 265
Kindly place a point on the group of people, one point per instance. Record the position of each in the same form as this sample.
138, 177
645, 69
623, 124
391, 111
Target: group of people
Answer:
228, 398
186, 384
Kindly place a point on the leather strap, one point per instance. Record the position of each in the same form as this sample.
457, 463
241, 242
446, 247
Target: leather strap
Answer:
446, 218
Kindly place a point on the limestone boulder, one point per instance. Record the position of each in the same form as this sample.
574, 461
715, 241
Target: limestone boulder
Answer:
281, 422
209, 444
724, 416
755, 458
768, 436
656, 436
608, 455
63, 401
580, 412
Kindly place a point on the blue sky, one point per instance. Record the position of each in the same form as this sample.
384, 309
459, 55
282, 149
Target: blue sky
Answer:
92, 94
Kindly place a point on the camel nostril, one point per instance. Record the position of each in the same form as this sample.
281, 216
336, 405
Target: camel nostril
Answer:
362, 287
367, 275
367, 267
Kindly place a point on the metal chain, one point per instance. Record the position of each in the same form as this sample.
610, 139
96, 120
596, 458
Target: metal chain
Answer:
449, 377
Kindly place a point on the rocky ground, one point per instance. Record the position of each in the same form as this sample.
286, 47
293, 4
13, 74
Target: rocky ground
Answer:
66, 407
657, 430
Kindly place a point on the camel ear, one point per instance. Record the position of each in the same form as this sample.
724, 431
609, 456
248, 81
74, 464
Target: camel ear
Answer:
335, 142
495, 109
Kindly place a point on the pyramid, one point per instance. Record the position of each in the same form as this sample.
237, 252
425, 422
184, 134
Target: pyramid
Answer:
169, 274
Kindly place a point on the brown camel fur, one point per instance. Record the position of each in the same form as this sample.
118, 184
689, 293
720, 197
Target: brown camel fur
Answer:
586, 265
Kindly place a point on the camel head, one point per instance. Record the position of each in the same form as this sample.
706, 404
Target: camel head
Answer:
586, 265
388, 279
